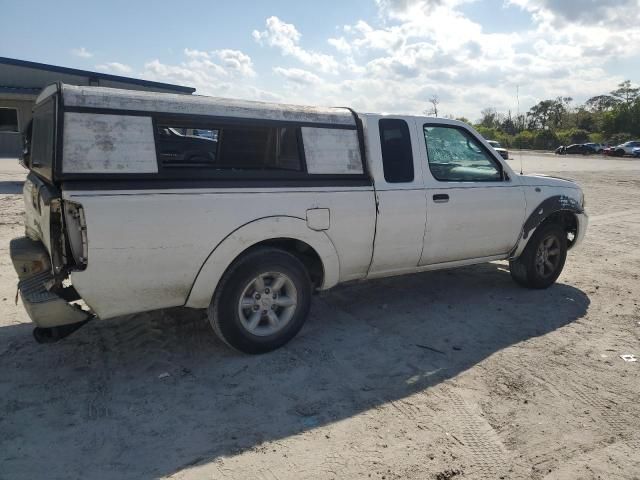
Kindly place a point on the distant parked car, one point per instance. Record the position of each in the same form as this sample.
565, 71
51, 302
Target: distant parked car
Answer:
576, 148
504, 153
624, 148
597, 147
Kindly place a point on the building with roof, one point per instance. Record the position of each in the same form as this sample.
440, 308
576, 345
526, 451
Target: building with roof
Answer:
21, 82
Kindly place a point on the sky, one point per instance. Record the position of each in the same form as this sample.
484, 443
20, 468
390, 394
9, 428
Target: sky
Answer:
386, 56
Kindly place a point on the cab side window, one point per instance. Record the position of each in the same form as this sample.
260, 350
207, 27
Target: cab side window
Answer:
397, 158
456, 156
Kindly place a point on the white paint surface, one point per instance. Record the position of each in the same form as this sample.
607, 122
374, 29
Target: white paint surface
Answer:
101, 97
147, 247
475, 222
330, 151
97, 143
401, 207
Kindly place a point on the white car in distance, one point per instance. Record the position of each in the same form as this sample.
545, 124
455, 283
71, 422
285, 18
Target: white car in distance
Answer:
504, 153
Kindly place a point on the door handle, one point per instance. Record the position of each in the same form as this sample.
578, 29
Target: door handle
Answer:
441, 198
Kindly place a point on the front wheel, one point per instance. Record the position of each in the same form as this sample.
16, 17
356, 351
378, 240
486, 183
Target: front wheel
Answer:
262, 301
543, 259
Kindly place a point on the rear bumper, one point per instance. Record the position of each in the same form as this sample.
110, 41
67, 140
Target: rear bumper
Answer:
44, 305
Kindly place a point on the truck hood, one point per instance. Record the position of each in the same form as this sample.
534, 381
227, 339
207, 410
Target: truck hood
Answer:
541, 180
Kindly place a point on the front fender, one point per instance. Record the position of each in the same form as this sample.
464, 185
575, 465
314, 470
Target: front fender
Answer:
255, 232
548, 207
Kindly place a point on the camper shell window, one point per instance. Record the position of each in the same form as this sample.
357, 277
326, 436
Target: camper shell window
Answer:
43, 134
229, 147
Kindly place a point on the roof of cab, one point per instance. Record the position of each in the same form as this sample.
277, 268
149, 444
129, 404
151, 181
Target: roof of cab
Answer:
142, 101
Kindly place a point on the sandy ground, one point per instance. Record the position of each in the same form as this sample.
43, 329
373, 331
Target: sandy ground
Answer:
515, 383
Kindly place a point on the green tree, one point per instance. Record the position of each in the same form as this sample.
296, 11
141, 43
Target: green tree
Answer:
625, 93
540, 114
489, 118
524, 139
508, 125
601, 103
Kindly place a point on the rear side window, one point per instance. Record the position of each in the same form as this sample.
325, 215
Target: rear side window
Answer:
229, 147
397, 158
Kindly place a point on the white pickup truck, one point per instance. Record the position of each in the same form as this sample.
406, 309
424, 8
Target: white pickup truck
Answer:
138, 201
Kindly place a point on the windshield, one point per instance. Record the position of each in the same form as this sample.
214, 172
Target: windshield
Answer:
494, 144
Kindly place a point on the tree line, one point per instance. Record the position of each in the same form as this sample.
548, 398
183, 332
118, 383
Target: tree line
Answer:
610, 118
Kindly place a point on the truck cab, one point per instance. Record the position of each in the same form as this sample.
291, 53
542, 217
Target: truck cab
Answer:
137, 201
452, 186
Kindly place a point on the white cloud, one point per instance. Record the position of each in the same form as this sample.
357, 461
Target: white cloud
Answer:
593, 29
286, 37
408, 9
195, 53
233, 61
612, 13
423, 47
236, 61
231, 79
340, 44
178, 73
81, 52
418, 48
365, 37
298, 76
114, 67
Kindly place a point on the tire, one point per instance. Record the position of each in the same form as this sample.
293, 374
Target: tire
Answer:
620, 153
532, 268
262, 301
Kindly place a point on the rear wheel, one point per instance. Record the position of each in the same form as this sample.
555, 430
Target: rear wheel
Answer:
543, 259
262, 301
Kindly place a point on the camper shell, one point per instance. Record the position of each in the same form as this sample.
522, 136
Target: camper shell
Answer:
111, 134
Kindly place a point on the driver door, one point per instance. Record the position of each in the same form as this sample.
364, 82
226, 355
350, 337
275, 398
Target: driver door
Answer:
475, 205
